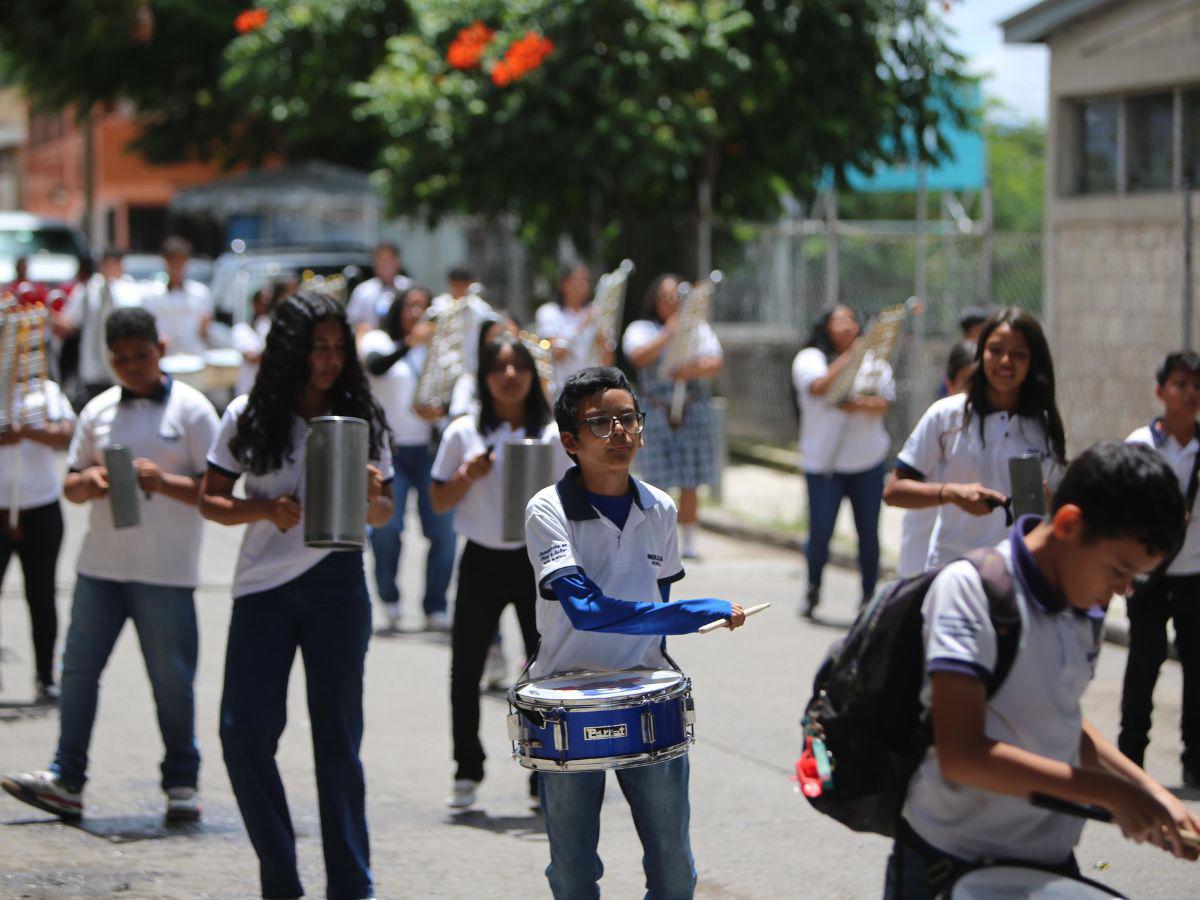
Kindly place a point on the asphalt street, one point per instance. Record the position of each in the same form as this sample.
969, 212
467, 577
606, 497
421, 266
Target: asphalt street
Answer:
753, 836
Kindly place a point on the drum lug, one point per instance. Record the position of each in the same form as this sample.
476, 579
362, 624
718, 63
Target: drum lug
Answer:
514, 727
648, 725
689, 711
559, 724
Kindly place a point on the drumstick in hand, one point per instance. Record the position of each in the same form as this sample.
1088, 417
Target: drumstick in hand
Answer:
721, 623
1098, 813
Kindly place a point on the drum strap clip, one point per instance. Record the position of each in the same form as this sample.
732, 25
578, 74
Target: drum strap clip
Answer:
648, 725
559, 726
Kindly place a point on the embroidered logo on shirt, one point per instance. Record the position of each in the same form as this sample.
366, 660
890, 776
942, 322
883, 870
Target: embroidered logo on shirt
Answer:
554, 552
655, 559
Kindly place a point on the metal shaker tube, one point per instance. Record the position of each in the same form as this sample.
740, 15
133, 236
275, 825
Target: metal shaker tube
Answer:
335, 483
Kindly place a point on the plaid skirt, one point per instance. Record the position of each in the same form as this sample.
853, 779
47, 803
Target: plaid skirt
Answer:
683, 457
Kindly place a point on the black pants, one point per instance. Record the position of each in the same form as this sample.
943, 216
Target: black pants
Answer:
36, 543
488, 580
1172, 598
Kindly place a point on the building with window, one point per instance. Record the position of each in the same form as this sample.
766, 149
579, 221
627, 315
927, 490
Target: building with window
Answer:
1123, 140
12, 139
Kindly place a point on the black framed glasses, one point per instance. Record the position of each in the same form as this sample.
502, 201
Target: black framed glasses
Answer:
604, 426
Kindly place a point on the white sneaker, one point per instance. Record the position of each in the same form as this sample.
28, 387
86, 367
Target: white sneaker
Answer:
462, 793
495, 670
46, 792
437, 621
392, 611
183, 804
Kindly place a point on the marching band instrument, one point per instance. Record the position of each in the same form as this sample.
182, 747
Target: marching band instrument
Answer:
444, 363
122, 487
543, 362
23, 374
684, 347
335, 482
873, 351
608, 303
528, 466
334, 286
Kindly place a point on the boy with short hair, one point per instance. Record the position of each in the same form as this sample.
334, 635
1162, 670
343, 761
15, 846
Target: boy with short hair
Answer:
1173, 591
146, 572
1116, 513
605, 549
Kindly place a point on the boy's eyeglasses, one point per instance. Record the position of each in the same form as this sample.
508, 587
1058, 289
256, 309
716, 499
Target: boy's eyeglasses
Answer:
604, 426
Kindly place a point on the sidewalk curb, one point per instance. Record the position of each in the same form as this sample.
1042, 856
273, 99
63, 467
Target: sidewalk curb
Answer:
1116, 629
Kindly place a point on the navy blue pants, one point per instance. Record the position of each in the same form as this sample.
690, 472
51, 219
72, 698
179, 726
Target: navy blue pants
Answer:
326, 613
825, 495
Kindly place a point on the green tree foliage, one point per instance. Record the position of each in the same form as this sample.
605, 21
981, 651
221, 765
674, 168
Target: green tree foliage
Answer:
1017, 170
642, 101
201, 89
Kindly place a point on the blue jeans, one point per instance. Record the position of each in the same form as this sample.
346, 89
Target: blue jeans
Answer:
657, 796
326, 613
165, 619
413, 465
825, 494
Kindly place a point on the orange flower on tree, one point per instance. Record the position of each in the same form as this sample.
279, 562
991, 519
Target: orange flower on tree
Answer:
250, 20
469, 45
522, 57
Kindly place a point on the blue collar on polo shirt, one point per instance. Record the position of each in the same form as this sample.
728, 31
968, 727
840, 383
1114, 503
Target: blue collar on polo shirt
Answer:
158, 395
578, 507
1031, 579
1159, 435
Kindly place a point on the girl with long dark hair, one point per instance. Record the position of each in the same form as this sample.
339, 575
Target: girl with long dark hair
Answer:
680, 455
394, 355
956, 459
843, 447
566, 321
493, 572
289, 596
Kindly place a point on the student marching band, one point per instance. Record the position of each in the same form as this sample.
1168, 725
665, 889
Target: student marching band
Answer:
591, 582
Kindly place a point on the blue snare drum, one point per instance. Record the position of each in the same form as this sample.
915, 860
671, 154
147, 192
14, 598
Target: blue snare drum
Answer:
590, 721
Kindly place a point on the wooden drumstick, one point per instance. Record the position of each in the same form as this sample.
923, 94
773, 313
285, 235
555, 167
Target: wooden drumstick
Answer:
721, 623
1087, 811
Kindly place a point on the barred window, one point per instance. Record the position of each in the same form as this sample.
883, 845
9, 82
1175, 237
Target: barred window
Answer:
1150, 150
1098, 147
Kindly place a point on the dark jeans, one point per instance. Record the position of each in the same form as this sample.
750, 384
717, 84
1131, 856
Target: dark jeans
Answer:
488, 580
36, 543
326, 613
1172, 598
825, 495
413, 465
916, 870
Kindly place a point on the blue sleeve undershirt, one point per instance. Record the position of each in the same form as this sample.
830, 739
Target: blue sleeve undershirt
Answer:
590, 610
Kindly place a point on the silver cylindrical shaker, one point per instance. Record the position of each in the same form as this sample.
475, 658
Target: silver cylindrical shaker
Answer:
335, 482
122, 487
528, 467
1028, 492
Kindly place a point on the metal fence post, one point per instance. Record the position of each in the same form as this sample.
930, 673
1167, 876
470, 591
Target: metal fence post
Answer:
1187, 264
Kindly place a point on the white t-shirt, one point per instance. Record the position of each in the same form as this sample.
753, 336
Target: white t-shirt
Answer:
1036, 709
83, 309
178, 313
831, 439
569, 328
942, 450
643, 331
1181, 460
249, 338
564, 533
478, 515
173, 432
396, 388
269, 557
371, 300
40, 471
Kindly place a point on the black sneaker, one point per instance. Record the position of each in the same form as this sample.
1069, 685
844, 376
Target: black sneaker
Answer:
811, 599
1191, 778
45, 791
535, 803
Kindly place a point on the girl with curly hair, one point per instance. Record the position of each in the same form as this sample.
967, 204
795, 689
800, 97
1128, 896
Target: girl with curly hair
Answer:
288, 595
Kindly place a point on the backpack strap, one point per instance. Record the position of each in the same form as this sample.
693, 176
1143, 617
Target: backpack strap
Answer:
1002, 609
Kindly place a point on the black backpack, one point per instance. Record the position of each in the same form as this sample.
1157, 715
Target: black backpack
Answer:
864, 730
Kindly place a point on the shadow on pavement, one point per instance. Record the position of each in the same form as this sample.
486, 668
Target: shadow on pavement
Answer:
517, 826
1185, 793
130, 829
17, 711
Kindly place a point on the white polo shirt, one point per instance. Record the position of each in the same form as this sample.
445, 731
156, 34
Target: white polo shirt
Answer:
916, 530
178, 313
643, 331
1037, 709
396, 388
249, 338
942, 450
370, 301
40, 471
173, 431
86, 309
1181, 460
569, 328
269, 557
478, 515
565, 534
831, 439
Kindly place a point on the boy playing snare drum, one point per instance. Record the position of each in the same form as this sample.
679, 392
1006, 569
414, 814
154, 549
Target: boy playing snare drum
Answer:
596, 536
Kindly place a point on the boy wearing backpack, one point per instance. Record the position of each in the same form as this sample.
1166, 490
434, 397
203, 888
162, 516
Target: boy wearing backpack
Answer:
1116, 514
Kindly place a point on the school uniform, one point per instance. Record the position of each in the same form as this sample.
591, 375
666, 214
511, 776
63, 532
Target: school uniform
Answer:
289, 596
942, 449
370, 301
178, 311
842, 454
38, 536
1037, 709
147, 573
395, 390
492, 573
249, 338
87, 308
682, 456
1173, 597
604, 567
570, 328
